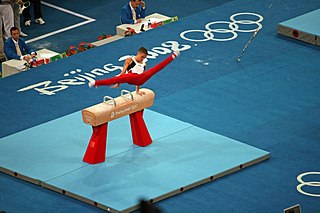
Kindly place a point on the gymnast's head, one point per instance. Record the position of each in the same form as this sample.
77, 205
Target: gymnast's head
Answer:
142, 54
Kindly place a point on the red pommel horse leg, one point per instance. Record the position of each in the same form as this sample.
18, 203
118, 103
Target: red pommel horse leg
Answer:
99, 115
96, 150
139, 130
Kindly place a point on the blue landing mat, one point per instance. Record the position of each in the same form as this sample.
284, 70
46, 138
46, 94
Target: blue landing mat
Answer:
305, 27
60, 144
181, 155
308, 22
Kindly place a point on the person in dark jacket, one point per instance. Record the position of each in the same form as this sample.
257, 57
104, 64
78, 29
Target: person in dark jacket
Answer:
16, 48
133, 12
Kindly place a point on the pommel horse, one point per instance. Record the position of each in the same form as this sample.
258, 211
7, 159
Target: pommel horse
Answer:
98, 116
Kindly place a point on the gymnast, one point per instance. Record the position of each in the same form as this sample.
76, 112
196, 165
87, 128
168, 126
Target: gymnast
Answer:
133, 71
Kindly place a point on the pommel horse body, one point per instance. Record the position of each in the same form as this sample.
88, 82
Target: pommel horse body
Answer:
98, 116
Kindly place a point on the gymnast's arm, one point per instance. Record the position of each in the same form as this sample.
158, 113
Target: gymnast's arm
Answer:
126, 64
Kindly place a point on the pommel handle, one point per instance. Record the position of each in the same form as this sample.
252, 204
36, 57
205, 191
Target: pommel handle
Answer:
110, 101
128, 94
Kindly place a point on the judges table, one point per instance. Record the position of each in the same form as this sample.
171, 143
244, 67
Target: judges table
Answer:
155, 17
14, 66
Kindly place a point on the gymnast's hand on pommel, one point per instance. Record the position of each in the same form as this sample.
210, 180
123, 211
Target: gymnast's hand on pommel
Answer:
141, 93
138, 91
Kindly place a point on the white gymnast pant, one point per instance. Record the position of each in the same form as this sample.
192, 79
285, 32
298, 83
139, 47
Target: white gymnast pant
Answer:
6, 19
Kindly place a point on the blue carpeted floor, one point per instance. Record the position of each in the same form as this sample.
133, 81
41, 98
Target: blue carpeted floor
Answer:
270, 100
107, 18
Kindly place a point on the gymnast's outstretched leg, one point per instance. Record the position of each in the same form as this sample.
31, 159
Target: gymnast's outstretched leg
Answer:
133, 78
145, 76
125, 78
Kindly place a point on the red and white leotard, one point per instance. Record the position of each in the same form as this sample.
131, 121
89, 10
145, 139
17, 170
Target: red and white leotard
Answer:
136, 67
136, 77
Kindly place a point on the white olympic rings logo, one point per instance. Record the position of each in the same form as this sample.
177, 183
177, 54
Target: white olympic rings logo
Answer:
310, 183
233, 28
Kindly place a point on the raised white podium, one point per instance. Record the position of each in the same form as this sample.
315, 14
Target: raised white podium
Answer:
106, 40
155, 17
14, 66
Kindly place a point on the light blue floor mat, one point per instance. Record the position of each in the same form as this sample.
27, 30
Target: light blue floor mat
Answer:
181, 156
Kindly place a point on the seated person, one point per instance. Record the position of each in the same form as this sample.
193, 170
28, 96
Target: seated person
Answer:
16, 48
132, 12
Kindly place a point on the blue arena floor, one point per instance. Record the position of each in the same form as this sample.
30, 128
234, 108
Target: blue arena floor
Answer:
270, 100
